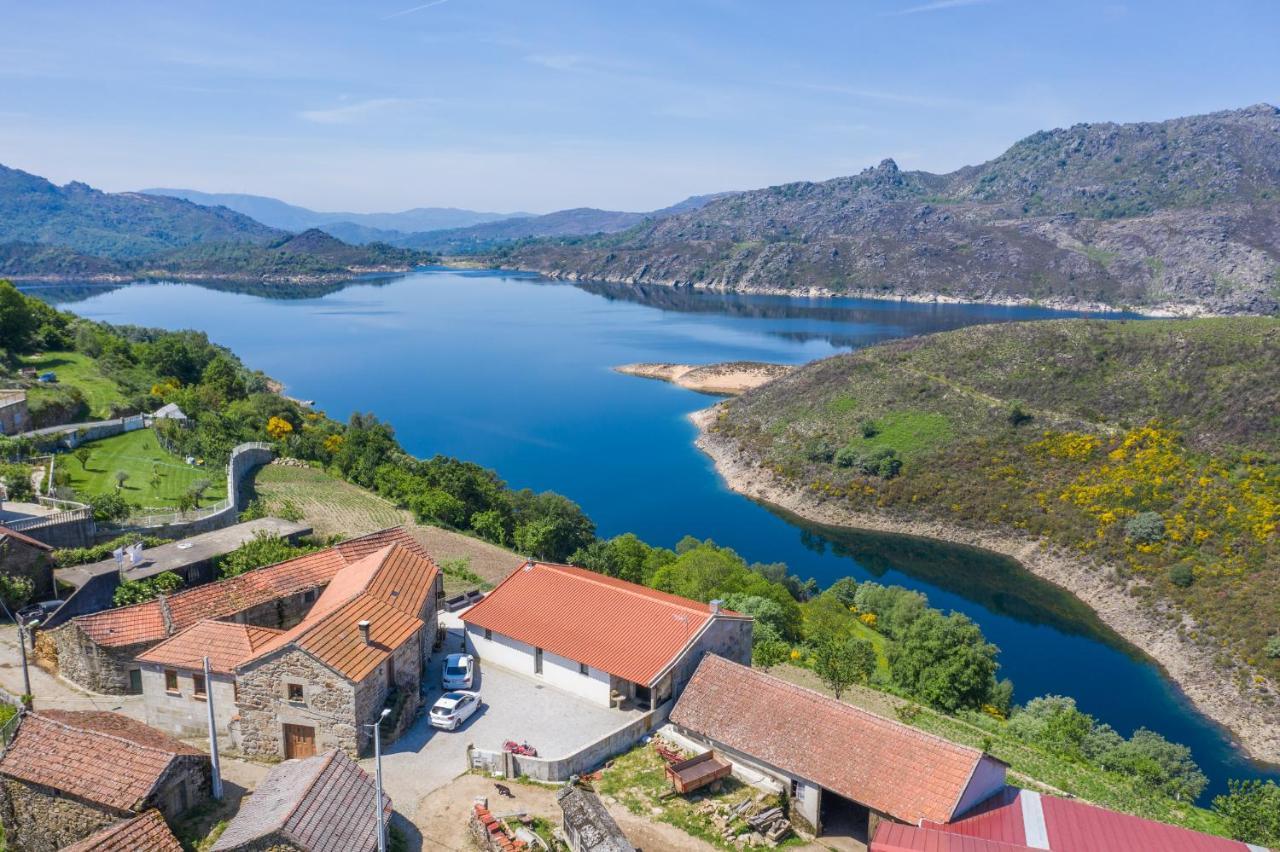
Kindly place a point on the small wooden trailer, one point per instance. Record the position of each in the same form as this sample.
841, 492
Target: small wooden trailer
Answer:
697, 772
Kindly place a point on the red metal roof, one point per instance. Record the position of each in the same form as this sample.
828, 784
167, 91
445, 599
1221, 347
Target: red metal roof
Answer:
225, 643
896, 837
1069, 825
154, 620
97, 756
144, 833
627, 630
883, 764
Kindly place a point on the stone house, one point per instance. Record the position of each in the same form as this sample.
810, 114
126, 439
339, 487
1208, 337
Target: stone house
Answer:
147, 832
69, 774
23, 556
845, 769
603, 639
175, 693
316, 804
362, 647
98, 651
587, 824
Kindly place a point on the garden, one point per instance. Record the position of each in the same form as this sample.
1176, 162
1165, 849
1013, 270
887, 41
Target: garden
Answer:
137, 468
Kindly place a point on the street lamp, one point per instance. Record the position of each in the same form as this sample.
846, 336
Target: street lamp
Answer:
22, 645
377, 784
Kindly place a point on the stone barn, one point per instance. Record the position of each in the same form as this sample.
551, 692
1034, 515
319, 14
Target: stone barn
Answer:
23, 556
598, 637
98, 651
146, 833
362, 647
587, 824
69, 774
844, 769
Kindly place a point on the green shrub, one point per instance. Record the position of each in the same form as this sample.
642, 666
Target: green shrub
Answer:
80, 555
868, 428
1144, 528
1018, 415
1181, 575
109, 506
139, 591
1273, 647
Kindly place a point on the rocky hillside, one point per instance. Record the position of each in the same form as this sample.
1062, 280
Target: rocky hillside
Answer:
1178, 215
1150, 447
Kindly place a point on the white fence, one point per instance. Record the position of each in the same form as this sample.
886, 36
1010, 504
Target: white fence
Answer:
244, 457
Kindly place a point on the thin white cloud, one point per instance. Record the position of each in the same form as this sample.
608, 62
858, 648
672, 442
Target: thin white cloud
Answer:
413, 9
351, 113
557, 61
937, 6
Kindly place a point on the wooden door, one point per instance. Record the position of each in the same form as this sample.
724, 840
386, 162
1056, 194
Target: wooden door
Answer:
299, 741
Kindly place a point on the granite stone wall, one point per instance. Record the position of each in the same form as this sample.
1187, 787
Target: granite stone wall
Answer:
95, 667
38, 819
328, 705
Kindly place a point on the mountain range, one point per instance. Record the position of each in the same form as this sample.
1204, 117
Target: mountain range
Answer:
1174, 216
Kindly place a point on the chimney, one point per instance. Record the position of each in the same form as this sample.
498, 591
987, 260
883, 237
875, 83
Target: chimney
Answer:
715, 607
364, 631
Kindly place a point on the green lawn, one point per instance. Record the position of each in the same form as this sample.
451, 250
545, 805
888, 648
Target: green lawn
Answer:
140, 455
79, 370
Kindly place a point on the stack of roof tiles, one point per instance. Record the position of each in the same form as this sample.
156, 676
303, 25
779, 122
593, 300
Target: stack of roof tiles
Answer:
146, 832
495, 833
318, 804
890, 767
97, 756
388, 588
156, 619
627, 630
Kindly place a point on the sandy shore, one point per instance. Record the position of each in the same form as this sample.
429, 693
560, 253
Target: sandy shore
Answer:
1249, 710
728, 379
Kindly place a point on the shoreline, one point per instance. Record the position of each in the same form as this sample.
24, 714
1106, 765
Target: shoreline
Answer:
1253, 727
728, 378
158, 275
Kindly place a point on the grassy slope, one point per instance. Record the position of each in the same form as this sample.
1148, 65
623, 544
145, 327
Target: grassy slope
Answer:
1176, 417
72, 368
139, 454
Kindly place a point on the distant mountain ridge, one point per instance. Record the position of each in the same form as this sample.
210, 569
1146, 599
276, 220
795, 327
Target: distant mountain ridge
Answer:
291, 217
1180, 215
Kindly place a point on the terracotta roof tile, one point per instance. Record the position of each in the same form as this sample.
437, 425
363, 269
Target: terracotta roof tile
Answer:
225, 643
146, 622
388, 587
101, 757
890, 767
320, 804
144, 833
627, 630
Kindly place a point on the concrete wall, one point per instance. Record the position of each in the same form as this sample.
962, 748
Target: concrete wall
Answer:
558, 671
182, 713
72, 528
328, 705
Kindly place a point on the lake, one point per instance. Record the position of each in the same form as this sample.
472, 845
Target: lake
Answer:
514, 371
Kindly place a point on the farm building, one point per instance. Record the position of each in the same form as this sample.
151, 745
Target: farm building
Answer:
845, 769
98, 651
588, 824
318, 804
601, 638
147, 832
1024, 821
68, 775
362, 647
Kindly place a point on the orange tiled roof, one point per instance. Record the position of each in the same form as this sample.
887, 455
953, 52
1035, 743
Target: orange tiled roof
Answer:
154, 620
144, 833
225, 643
886, 765
101, 757
627, 630
388, 588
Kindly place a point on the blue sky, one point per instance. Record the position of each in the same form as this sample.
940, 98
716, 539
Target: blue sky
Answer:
541, 104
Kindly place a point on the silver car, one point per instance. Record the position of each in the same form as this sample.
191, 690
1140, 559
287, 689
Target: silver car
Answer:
459, 671
453, 709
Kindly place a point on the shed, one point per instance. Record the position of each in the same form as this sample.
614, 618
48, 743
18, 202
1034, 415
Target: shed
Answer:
145, 833
588, 825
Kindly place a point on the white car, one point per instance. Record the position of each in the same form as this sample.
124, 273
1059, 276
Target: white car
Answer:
459, 671
453, 709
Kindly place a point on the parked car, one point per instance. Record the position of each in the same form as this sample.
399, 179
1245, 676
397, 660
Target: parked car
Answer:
459, 671
453, 709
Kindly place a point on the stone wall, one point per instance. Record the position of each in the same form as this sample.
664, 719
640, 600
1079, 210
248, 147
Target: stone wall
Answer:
38, 819
726, 637
328, 704
281, 613
270, 843
186, 784
97, 668
371, 693
14, 416
19, 559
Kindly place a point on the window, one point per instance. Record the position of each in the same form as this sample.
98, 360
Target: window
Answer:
391, 671
795, 789
488, 634
170, 680
295, 691
537, 661
584, 669
198, 687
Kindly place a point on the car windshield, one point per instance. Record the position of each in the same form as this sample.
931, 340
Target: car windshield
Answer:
453, 696
455, 671
441, 711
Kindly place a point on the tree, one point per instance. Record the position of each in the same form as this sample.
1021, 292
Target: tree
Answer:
17, 320
197, 491
438, 505
1252, 811
549, 525
842, 663
769, 653
83, 454
263, 549
490, 526
15, 590
1053, 722
1159, 764
945, 661
624, 556
140, 591
121, 477
1144, 528
109, 507
845, 590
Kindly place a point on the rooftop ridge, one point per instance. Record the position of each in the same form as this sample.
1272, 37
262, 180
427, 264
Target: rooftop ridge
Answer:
95, 732
623, 586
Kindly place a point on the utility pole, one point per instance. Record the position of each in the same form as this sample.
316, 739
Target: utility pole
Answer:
213, 732
377, 778
22, 648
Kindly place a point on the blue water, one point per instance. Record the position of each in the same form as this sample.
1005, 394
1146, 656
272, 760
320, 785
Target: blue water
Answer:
513, 371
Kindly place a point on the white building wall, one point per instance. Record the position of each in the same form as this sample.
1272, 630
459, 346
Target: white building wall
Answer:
182, 713
987, 780
558, 671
